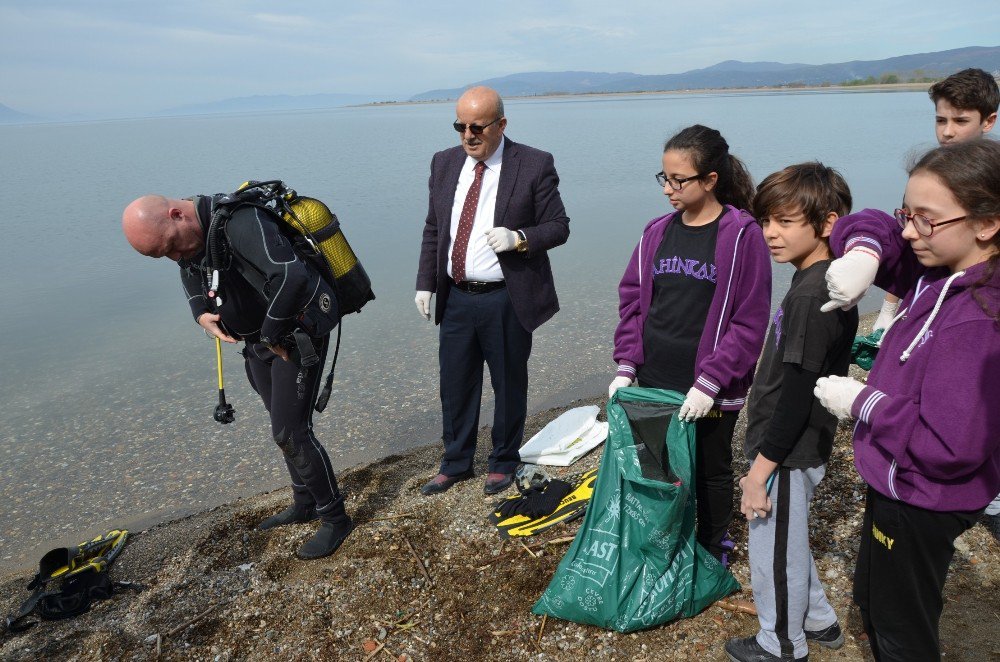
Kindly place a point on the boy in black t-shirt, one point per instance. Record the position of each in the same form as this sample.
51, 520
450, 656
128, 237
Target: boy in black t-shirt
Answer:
789, 434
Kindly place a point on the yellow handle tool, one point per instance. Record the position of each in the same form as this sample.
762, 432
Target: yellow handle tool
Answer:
224, 412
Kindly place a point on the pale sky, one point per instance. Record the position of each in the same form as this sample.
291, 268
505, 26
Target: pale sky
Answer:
117, 57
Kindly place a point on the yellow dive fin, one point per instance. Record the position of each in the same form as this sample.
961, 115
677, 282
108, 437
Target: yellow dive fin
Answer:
572, 506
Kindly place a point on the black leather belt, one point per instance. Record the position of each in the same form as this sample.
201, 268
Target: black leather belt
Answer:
480, 287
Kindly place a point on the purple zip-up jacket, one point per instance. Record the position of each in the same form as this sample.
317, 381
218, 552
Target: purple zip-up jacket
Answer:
928, 421
737, 319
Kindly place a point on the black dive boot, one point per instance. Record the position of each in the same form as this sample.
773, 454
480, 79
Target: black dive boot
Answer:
294, 514
327, 539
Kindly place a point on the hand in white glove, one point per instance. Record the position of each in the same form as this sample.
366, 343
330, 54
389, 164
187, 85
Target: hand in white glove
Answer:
696, 405
886, 315
849, 277
423, 301
617, 383
837, 394
501, 239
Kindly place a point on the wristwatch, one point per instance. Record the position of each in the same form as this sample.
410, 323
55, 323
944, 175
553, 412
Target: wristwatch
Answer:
521, 245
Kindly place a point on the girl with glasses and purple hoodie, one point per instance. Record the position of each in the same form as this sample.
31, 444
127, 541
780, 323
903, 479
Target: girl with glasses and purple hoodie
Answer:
694, 305
926, 439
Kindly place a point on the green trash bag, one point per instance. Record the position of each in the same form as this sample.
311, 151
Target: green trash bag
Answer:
634, 562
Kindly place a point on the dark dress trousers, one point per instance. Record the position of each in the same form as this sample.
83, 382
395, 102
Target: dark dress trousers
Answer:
494, 326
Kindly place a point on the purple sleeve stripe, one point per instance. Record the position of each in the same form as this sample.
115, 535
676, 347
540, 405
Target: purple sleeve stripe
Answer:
626, 368
862, 239
869, 405
704, 382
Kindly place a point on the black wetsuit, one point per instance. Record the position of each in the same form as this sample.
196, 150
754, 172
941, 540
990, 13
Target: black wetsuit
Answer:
267, 292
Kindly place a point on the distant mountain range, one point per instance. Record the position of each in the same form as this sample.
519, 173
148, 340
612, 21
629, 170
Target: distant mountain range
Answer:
11, 116
920, 67
736, 74
263, 103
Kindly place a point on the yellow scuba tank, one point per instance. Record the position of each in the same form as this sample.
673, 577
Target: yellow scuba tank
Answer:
320, 228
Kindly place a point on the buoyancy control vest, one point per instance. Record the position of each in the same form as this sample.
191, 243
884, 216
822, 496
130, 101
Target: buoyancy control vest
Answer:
316, 238
315, 231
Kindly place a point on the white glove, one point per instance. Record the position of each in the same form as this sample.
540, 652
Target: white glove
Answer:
696, 405
886, 315
617, 383
501, 239
423, 301
837, 394
849, 277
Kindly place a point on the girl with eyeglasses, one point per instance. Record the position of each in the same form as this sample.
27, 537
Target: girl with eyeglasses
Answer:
694, 306
926, 439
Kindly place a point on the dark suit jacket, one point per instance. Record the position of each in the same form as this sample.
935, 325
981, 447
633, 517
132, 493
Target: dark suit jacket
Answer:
527, 200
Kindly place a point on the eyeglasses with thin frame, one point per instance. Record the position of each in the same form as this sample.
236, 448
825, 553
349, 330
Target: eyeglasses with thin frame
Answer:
923, 225
676, 183
474, 128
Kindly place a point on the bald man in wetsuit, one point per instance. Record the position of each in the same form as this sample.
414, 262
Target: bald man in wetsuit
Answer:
268, 294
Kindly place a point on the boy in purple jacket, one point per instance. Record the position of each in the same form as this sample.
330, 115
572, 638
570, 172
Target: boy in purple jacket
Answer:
926, 438
789, 434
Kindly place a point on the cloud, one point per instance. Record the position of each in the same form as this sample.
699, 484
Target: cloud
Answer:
561, 31
285, 21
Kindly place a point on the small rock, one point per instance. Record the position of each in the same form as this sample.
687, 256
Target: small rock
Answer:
369, 645
150, 640
382, 634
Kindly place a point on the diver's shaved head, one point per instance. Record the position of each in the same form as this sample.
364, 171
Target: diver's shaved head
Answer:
144, 222
157, 226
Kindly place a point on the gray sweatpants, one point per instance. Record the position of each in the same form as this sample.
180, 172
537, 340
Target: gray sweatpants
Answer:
786, 588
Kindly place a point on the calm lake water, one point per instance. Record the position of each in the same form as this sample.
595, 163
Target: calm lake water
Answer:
108, 385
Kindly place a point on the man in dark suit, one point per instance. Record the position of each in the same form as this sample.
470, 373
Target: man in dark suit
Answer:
494, 211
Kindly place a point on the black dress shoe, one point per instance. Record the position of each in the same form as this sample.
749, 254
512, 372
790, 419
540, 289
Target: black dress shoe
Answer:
294, 514
497, 483
326, 540
748, 649
442, 483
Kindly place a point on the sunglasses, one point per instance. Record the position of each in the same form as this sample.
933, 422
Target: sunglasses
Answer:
474, 128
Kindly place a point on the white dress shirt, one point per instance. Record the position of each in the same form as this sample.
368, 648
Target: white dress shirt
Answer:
480, 261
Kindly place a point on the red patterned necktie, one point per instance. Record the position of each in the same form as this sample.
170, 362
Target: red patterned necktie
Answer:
465, 225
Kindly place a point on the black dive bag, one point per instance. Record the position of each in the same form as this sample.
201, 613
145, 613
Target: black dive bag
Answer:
81, 576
